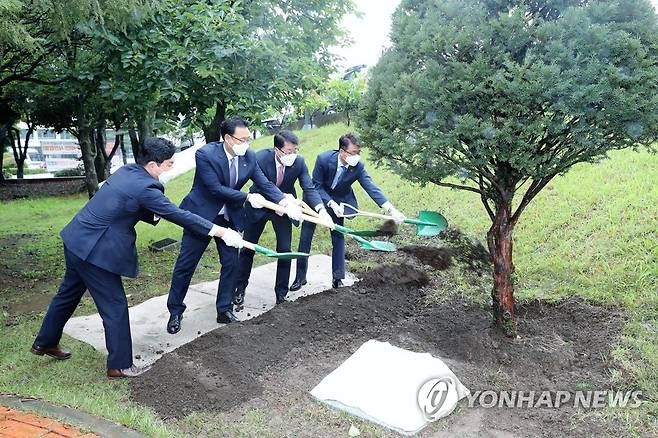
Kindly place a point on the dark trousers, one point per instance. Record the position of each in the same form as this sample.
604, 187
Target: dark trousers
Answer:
337, 249
107, 291
283, 231
191, 251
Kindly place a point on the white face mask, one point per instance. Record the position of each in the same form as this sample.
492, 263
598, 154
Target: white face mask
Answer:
288, 160
352, 160
240, 149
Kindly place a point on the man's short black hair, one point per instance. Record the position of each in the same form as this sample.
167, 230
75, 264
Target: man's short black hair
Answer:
280, 139
156, 149
228, 126
345, 140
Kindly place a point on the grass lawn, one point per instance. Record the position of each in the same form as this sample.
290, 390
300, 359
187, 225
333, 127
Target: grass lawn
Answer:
592, 233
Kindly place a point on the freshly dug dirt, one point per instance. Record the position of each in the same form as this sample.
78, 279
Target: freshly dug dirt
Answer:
272, 361
438, 258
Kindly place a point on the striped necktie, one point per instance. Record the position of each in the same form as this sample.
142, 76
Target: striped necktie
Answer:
339, 175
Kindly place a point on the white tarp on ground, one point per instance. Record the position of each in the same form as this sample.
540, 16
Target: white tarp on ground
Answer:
396, 388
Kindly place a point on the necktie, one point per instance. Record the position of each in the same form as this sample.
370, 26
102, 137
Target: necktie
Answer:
339, 175
233, 172
233, 180
279, 175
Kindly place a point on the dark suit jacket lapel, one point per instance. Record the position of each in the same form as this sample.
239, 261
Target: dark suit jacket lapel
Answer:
270, 166
221, 164
333, 168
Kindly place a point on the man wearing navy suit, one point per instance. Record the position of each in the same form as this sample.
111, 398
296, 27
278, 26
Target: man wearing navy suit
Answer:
99, 248
333, 176
283, 167
222, 169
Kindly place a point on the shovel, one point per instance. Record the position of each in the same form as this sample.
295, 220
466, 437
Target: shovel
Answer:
313, 217
271, 253
369, 245
429, 223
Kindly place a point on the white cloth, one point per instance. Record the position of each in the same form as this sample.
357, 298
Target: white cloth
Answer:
381, 383
237, 175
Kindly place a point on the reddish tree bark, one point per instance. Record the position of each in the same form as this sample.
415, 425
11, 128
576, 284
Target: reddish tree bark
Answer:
499, 240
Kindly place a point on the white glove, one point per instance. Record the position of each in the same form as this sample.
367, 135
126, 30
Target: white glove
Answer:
256, 200
397, 215
290, 198
294, 212
326, 217
232, 238
339, 211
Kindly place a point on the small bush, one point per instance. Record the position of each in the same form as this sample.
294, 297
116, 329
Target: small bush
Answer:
77, 171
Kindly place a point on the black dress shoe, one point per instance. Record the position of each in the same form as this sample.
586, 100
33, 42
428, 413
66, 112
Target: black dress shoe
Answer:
281, 300
336, 284
297, 284
173, 326
54, 352
238, 298
226, 317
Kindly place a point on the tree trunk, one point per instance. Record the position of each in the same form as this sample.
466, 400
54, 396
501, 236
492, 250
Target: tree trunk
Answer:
347, 114
123, 150
134, 143
212, 132
145, 126
101, 158
499, 240
84, 132
20, 150
3, 137
110, 156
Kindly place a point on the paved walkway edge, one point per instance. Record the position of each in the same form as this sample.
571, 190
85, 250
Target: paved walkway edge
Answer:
74, 417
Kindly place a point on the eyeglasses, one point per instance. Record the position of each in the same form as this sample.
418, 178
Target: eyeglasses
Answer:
282, 152
241, 140
352, 153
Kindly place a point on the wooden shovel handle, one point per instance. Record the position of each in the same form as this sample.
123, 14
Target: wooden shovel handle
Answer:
306, 217
364, 213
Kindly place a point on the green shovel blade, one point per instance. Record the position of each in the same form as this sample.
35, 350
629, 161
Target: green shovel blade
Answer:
374, 245
279, 255
362, 233
378, 245
429, 223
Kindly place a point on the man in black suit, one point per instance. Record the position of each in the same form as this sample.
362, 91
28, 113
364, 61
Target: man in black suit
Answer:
99, 248
222, 169
283, 167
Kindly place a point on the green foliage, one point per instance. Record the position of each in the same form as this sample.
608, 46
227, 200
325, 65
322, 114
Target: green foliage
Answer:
506, 95
313, 101
204, 59
346, 95
76, 171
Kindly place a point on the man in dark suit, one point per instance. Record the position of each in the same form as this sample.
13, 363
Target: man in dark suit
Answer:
99, 248
283, 167
333, 176
222, 169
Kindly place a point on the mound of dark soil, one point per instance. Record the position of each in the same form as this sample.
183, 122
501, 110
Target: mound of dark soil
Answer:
272, 361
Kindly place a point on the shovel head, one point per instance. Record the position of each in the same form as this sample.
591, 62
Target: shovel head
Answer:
430, 223
378, 245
